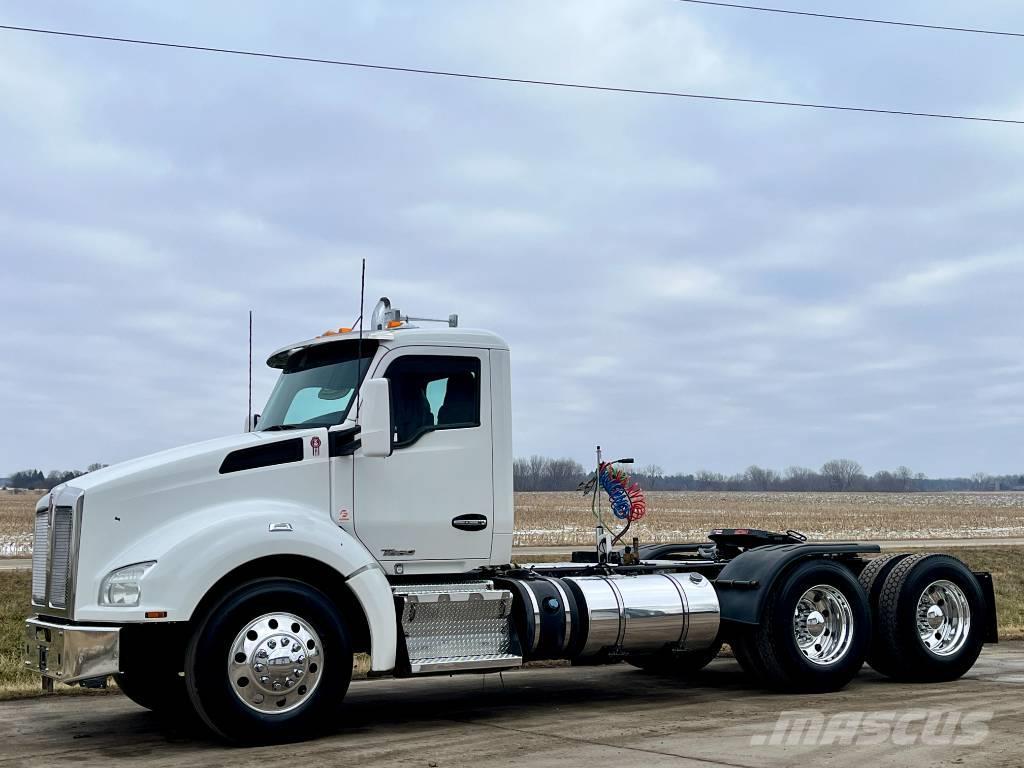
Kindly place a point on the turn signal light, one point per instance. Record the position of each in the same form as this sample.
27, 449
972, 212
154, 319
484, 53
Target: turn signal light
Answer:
394, 323
156, 614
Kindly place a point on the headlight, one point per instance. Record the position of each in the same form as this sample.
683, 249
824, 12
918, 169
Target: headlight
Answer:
123, 586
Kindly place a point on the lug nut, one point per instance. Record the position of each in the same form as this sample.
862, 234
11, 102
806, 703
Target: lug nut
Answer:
272, 644
264, 680
257, 699
276, 686
288, 682
297, 672
259, 667
261, 654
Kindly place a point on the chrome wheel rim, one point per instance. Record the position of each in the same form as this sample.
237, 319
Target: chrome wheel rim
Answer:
275, 663
823, 624
943, 618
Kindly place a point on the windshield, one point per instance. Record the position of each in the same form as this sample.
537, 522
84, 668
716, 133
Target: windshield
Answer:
317, 386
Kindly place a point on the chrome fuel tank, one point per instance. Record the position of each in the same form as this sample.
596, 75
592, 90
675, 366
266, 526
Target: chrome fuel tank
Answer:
635, 614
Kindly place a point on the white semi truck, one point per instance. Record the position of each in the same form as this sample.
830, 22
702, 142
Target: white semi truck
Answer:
370, 510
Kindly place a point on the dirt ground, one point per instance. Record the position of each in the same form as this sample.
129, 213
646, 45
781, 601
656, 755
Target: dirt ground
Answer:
561, 717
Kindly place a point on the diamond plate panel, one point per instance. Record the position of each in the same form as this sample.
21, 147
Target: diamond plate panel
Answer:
437, 627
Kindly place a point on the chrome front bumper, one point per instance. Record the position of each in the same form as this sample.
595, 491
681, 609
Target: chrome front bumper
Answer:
70, 653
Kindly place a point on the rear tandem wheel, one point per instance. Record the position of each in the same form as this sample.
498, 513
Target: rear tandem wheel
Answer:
814, 632
931, 620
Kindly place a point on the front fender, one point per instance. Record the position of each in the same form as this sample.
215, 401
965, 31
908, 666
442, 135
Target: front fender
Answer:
194, 551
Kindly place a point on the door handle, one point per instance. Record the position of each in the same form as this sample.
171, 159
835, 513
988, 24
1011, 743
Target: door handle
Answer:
473, 522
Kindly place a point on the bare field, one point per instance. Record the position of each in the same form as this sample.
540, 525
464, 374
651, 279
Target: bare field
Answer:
16, 522
555, 518
544, 518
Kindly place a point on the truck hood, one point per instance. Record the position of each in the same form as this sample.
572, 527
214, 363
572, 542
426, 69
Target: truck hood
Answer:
176, 463
165, 507
162, 460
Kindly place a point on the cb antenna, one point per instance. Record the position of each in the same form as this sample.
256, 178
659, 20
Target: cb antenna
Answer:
248, 423
359, 345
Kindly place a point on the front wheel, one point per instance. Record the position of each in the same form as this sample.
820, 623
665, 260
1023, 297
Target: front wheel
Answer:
814, 632
270, 662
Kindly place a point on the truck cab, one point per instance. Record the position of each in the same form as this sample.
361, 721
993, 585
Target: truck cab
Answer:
438, 497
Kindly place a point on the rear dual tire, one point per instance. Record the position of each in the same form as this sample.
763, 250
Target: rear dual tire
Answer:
814, 632
930, 615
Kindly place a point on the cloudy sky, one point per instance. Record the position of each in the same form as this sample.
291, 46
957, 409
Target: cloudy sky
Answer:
698, 284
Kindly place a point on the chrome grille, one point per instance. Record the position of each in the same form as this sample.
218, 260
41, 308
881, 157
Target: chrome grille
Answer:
40, 550
60, 559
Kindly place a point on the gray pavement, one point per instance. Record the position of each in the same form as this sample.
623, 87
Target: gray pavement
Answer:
555, 718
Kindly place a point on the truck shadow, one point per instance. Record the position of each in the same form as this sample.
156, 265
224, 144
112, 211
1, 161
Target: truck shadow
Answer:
491, 696
414, 705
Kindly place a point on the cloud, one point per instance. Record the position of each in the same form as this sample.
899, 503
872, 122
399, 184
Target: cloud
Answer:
935, 282
698, 284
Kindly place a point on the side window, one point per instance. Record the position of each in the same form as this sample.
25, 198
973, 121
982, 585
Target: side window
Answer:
431, 392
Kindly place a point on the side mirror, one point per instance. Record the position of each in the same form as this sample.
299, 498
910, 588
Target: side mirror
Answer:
375, 417
251, 422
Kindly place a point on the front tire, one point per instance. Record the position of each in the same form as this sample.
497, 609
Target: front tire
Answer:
270, 663
814, 631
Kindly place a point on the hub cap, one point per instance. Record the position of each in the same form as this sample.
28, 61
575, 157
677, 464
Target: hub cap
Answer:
943, 618
275, 663
823, 624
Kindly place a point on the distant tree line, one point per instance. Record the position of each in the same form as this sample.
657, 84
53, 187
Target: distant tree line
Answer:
35, 479
540, 473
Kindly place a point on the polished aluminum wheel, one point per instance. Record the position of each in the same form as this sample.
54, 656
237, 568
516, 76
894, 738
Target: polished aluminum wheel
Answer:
823, 624
275, 663
943, 618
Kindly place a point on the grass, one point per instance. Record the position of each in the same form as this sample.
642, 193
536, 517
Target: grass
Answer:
15, 682
1005, 563
14, 607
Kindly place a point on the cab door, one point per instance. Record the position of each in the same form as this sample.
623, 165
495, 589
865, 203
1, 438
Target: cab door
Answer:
429, 506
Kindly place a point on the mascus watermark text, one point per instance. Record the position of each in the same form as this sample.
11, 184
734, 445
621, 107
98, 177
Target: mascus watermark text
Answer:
936, 727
